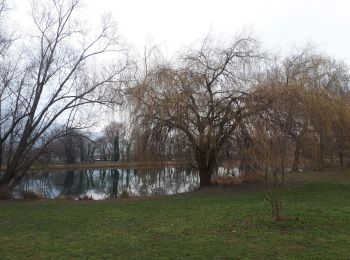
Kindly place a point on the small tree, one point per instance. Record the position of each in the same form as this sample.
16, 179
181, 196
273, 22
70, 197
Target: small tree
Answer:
266, 151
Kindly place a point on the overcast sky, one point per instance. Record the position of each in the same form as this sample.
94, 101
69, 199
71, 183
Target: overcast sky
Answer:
279, 24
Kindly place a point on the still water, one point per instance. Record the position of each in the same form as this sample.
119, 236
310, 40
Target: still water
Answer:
107, 184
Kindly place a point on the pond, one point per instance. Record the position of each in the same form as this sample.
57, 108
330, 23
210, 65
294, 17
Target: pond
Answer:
108, 184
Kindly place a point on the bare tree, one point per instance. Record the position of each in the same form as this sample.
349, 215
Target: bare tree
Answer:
112, 136
201, 95
69, 149
6, 39
299, 93
46, 84
6, 73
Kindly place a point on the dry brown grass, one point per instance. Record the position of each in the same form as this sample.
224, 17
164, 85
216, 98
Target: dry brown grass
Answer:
233, 180
30, 195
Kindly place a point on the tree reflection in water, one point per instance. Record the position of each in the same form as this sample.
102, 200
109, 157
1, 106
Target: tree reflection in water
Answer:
114, 184
107, 184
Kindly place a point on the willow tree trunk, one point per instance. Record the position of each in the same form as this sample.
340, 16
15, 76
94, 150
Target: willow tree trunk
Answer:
341, 159
206, 161
205, 178
296, 159
320, 159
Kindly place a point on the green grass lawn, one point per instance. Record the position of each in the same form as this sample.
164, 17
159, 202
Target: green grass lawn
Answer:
219, 223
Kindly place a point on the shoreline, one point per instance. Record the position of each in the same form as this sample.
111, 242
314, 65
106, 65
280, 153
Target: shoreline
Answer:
118, 165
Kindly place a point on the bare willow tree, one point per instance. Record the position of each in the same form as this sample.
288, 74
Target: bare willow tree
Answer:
299, 112
267, 154
200, 95
43, 85
341, 128
300, 92
5, 41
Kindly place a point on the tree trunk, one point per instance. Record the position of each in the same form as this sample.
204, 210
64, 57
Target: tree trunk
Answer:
205, 178
5, 180
321, 155
10, 179
341, 159
206, 161
116, 152
296, 160
1, 152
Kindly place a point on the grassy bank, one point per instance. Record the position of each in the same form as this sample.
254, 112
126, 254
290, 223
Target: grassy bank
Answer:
214, 223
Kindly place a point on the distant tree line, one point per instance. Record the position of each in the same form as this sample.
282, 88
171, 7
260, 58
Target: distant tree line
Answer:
83, 146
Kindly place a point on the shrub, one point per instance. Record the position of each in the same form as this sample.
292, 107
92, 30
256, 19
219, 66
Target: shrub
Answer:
227, 180
86, 197
253, 178
233, 180
5, 194
124, 194
30, 195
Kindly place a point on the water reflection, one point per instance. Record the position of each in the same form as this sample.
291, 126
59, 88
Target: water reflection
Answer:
105, 184
221, 172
